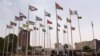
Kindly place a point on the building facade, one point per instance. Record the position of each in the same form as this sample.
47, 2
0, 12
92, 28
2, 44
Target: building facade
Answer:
93, 44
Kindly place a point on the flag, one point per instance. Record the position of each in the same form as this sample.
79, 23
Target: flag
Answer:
72, 28
49, 22
65, 26
30, 22
43, 30
13, 23
38, 18
41, 25
9, 27
47, 14
79, 17
25, 25
58, 25
22, 15
58, 6
72, 12
58, 29
35, 28
64, 31
69, 20
32, 8
18, 18
92, 23
50, 28
58, 17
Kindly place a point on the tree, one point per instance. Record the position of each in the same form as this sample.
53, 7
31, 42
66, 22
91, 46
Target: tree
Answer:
12, 38
86, 48
1, 43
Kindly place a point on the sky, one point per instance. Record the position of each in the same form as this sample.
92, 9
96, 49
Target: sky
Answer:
88, 9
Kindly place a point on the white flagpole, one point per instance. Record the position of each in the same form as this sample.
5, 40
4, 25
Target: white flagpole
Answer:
94, 37
44, 32
12, 41
71, 34
27, 43
8, 43
4, 42
79, 32
57, 32
67, 38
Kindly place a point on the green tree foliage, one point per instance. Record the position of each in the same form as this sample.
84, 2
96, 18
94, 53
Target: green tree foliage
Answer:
1, 43
86, 48
10, 40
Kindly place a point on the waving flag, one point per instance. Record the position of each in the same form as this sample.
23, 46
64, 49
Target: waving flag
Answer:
50, 28
72, 12
58, 6
25, 25
9, 27
68, 20
58, 24
64, 31
38, 18
22, 15
35, 28
65, 26
72, 28
47, 14
41, 25
79, 17
59, 17
18, 18
30, 22
32, 8
13, 23
43, 30
49, 22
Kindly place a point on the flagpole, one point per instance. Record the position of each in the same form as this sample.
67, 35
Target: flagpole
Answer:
94, 37
57, 32
8, 43
67, 38
12, 41
4, 42
44, 32
71, 34
79, 33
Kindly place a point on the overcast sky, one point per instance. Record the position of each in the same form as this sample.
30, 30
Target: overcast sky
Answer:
88, 9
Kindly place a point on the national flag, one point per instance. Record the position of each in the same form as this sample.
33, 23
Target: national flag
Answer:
41, 25
73, 12
58, 29
38, 18
68, 20
79, 17
9, 27
64, 31
32, 8
43, 30
18, 18
25, 25
35, 28
50, 28
49, 22
72, 28
58, 17
13, 23
92, 23
65, 26
47, 14
58, 6
30, 22
58, 24
22, 15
